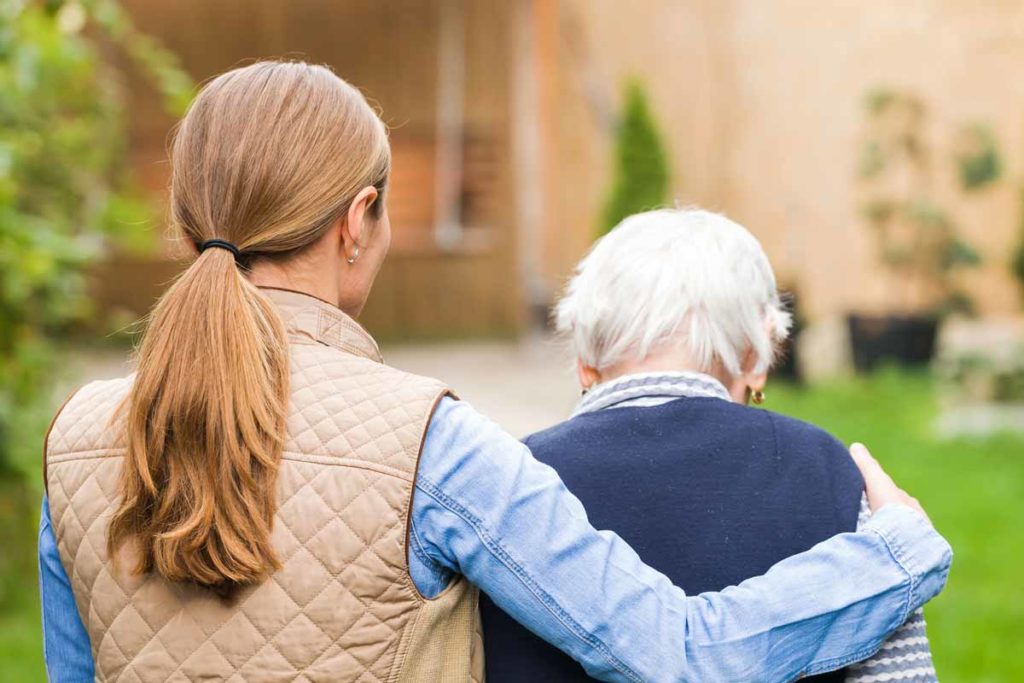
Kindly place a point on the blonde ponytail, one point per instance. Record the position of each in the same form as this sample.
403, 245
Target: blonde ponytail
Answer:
205, 426
267, 157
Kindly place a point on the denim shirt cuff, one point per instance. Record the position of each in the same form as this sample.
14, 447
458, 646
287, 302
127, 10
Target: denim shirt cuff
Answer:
917, 547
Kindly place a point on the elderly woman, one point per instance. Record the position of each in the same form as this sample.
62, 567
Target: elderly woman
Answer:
675, 320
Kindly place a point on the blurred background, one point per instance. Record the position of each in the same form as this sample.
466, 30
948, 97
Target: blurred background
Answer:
876, 150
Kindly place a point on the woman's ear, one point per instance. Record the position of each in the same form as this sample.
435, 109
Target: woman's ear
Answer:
354, 232
588, 376
742, 386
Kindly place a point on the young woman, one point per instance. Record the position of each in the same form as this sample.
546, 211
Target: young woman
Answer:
674, 318
264, 499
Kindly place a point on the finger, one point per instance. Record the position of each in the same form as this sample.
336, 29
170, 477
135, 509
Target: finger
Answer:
860, 452
879, 486
866, 463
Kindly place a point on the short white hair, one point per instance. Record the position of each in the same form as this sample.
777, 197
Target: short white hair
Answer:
671, 277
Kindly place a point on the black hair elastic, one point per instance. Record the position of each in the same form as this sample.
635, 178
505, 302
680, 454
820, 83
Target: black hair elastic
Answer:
220, 244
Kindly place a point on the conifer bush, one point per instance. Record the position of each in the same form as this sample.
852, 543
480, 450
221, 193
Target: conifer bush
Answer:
640, 175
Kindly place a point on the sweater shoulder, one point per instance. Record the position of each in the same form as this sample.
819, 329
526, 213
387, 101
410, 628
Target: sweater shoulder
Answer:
793, 438
562, 432
790, 438
790, 431
796, 438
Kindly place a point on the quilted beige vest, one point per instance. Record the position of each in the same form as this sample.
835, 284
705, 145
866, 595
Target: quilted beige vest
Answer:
343, 606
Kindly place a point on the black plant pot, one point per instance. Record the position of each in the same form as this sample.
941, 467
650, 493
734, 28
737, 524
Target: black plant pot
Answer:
907, 340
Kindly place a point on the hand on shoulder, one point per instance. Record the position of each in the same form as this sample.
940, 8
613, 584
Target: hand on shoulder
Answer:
881, 489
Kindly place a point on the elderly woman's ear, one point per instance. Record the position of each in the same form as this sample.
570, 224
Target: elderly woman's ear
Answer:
755, 388
587, 375
749, 383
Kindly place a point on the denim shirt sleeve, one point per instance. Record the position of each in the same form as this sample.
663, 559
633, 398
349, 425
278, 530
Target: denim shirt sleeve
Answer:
66, 646
906, 655
486, 509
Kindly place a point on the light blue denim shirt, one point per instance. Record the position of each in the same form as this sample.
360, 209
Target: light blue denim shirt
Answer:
484, 508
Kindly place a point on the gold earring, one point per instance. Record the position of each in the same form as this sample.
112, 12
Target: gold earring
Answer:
355, 254
757, 397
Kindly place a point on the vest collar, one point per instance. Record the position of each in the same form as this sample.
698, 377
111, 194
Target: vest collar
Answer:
312, 318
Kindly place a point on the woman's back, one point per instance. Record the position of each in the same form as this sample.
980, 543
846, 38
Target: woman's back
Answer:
709, 492
342, 601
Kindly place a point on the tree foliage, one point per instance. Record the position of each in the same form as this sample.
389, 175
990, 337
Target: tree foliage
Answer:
66, 193
640, 175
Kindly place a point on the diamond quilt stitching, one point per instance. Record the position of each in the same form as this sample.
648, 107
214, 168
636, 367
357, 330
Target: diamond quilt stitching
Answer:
343, 408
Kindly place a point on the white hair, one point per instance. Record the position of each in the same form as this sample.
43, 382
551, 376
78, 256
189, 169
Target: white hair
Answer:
687, 278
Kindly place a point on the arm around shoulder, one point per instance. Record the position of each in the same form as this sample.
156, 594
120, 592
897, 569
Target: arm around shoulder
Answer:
485, 508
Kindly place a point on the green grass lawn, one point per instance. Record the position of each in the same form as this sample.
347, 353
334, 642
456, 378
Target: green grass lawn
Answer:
973, 490
21, 645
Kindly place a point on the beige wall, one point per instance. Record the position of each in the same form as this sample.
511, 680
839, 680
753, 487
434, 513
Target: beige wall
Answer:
760, 103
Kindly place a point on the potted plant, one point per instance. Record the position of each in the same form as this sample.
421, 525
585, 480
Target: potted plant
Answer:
917, 241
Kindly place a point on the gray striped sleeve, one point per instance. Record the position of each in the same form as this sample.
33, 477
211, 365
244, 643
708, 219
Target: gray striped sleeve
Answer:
906, 657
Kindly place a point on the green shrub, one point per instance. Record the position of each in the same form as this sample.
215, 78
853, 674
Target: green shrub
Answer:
65, 191
641, 176
66, 196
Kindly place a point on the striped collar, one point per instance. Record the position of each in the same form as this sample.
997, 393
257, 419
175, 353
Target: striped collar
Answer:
650, 389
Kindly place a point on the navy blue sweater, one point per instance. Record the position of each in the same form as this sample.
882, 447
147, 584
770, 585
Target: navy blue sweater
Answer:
708, 492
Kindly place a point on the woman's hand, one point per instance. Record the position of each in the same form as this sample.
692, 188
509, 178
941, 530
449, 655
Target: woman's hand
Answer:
881, 489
